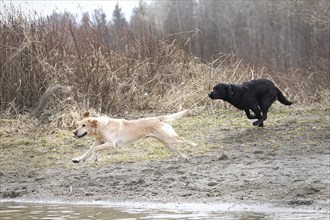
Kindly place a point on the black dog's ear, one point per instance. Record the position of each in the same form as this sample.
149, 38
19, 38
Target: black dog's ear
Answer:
230, 91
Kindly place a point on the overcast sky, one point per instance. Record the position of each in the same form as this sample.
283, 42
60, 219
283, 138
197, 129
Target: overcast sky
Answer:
46, 7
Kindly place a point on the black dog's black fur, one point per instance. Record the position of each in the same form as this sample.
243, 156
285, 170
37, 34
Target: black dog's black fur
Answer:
255, 95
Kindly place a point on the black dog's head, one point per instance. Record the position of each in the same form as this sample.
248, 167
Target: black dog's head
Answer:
222, 91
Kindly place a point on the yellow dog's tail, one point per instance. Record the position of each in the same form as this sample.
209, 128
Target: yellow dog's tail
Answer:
174, 116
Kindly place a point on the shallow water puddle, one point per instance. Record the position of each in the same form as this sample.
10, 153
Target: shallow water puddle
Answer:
131, 211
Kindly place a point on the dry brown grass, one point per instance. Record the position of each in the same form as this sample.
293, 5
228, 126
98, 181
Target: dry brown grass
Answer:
36, 53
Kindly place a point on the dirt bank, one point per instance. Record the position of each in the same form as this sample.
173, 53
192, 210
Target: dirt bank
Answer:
286, 163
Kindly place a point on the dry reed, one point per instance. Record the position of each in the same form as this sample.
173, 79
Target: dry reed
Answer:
36, 53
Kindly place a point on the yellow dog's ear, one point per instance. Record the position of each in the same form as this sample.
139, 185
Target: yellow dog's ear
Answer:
86, 115
93, 123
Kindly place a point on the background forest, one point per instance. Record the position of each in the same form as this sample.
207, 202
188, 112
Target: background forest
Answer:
168, 56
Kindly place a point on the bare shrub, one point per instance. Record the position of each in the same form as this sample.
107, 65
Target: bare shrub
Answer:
151, 73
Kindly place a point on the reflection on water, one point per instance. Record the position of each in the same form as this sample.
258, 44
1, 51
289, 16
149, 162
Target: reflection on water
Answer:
14, 210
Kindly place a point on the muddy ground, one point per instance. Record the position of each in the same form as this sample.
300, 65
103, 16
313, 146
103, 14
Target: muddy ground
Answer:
286, 163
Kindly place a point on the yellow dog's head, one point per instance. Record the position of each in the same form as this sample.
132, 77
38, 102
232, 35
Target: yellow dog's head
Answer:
86, 127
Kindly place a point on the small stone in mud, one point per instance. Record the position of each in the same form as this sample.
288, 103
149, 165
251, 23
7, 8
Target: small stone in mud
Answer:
297, 202
147, 170
38, 179
115, 183
11, 194
180, 172
312, 190
158, 173
137, 182
223, 157
212, 183
186, 194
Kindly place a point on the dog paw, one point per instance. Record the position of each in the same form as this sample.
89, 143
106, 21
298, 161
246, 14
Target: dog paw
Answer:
75, 160
256, 123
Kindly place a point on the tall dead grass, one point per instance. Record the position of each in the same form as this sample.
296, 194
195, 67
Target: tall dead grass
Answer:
39, 52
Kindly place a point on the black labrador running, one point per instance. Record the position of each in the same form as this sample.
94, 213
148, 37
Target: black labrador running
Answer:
255, 95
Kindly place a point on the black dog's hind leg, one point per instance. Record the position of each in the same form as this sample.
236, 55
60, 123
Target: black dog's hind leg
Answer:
256, 111
259, 123
259, 114
264, 109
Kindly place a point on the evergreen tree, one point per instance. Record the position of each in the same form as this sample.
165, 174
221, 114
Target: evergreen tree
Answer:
118, 30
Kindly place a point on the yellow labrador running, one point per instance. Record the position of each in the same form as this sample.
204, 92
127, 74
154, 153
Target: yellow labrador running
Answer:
110, 133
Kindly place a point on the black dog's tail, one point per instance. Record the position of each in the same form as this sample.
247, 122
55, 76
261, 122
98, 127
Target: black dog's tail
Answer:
281, 98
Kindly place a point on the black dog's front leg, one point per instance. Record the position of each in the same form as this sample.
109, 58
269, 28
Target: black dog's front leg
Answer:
248, 114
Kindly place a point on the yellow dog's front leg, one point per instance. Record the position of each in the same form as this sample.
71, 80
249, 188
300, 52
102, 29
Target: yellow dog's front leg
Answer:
104, 146
88, 153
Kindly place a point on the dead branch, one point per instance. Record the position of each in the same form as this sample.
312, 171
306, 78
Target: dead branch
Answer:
44, 98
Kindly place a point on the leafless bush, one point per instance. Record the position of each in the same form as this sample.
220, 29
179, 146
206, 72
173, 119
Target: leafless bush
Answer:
150, 73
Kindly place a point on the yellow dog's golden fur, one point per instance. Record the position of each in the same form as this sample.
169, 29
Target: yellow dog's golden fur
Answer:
110, 133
